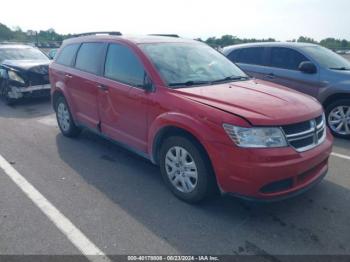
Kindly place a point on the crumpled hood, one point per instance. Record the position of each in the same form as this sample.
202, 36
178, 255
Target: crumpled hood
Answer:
37, 66
259, 102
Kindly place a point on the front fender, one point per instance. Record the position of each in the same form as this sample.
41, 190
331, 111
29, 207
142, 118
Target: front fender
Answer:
342, 87
202, 129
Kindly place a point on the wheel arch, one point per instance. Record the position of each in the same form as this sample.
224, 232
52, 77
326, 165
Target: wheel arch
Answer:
168, 131
335, 97
60, 91
56, 94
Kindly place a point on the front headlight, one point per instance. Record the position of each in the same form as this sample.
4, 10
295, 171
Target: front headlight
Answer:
256, 137
15, 77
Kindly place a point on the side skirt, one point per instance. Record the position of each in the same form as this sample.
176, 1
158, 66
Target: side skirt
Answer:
118, 143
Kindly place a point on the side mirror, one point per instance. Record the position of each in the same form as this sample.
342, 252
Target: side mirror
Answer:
307, 67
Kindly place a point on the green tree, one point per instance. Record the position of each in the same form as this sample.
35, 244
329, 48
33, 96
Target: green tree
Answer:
304, 39
5, 32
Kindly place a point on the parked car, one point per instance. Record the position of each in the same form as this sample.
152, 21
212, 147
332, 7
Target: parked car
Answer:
307, 68
23, 72
52, 53
188, 109
341, 52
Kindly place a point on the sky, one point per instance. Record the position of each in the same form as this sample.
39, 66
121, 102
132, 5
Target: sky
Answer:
279, 19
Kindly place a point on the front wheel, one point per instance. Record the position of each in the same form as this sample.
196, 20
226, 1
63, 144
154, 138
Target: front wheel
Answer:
186, 170
338, 118
4, 90
64, 118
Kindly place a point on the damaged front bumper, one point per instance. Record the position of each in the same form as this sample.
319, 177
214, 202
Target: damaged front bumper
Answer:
30, 91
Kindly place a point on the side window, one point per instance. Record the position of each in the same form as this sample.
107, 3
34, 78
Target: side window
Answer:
286, 58
233, 55
251, 55
89, 57
123, 66
67, 54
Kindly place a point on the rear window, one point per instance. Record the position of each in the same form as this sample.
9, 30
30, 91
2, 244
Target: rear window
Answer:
286, 58
67, 54
251, 55
89, 57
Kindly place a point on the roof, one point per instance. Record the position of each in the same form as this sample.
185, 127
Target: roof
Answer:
267, 44
132, 39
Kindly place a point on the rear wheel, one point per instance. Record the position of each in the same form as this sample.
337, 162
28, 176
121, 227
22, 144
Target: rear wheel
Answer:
186, 170
64, 118
338, 118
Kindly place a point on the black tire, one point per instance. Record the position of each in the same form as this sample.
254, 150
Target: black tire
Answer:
71, 130
329, 108
206, 183
4, 89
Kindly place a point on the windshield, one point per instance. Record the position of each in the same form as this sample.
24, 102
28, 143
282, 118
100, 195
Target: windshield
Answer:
327, 58
183, 64
21, 54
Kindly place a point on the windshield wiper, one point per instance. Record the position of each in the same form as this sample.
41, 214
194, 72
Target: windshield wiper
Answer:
188, 83
343, 68
230, 78
194, 83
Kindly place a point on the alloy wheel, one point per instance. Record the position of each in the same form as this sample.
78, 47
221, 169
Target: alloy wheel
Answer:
63, 116
181, 169
339, 120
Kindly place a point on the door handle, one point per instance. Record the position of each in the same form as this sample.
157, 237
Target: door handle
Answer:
68, 76
102, 87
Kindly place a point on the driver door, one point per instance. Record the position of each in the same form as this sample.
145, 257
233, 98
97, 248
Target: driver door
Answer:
284, 70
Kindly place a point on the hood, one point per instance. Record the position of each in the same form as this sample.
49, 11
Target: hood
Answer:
259, 102
37, 66
343, 74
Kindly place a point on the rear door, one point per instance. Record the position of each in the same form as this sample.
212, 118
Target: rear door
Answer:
123, 103
252, 60
283, 69
83, 86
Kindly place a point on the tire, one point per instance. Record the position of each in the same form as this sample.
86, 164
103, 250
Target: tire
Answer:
339, 111
4, 93
204, 185
64, 118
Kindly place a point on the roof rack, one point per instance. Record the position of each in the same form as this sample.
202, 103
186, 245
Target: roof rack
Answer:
98, 33
168, 35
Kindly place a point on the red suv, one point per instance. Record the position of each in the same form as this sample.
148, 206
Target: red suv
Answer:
188, 109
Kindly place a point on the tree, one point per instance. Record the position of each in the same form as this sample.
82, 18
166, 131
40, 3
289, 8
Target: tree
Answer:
344, 44
227, 40
304, 39
50, 35
5, 32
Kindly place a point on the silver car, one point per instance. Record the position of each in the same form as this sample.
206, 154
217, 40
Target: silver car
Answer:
308, 68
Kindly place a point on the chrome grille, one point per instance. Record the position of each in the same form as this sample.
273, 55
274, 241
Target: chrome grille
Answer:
306, 135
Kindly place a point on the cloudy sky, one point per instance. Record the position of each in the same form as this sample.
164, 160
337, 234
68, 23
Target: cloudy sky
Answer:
280, 19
